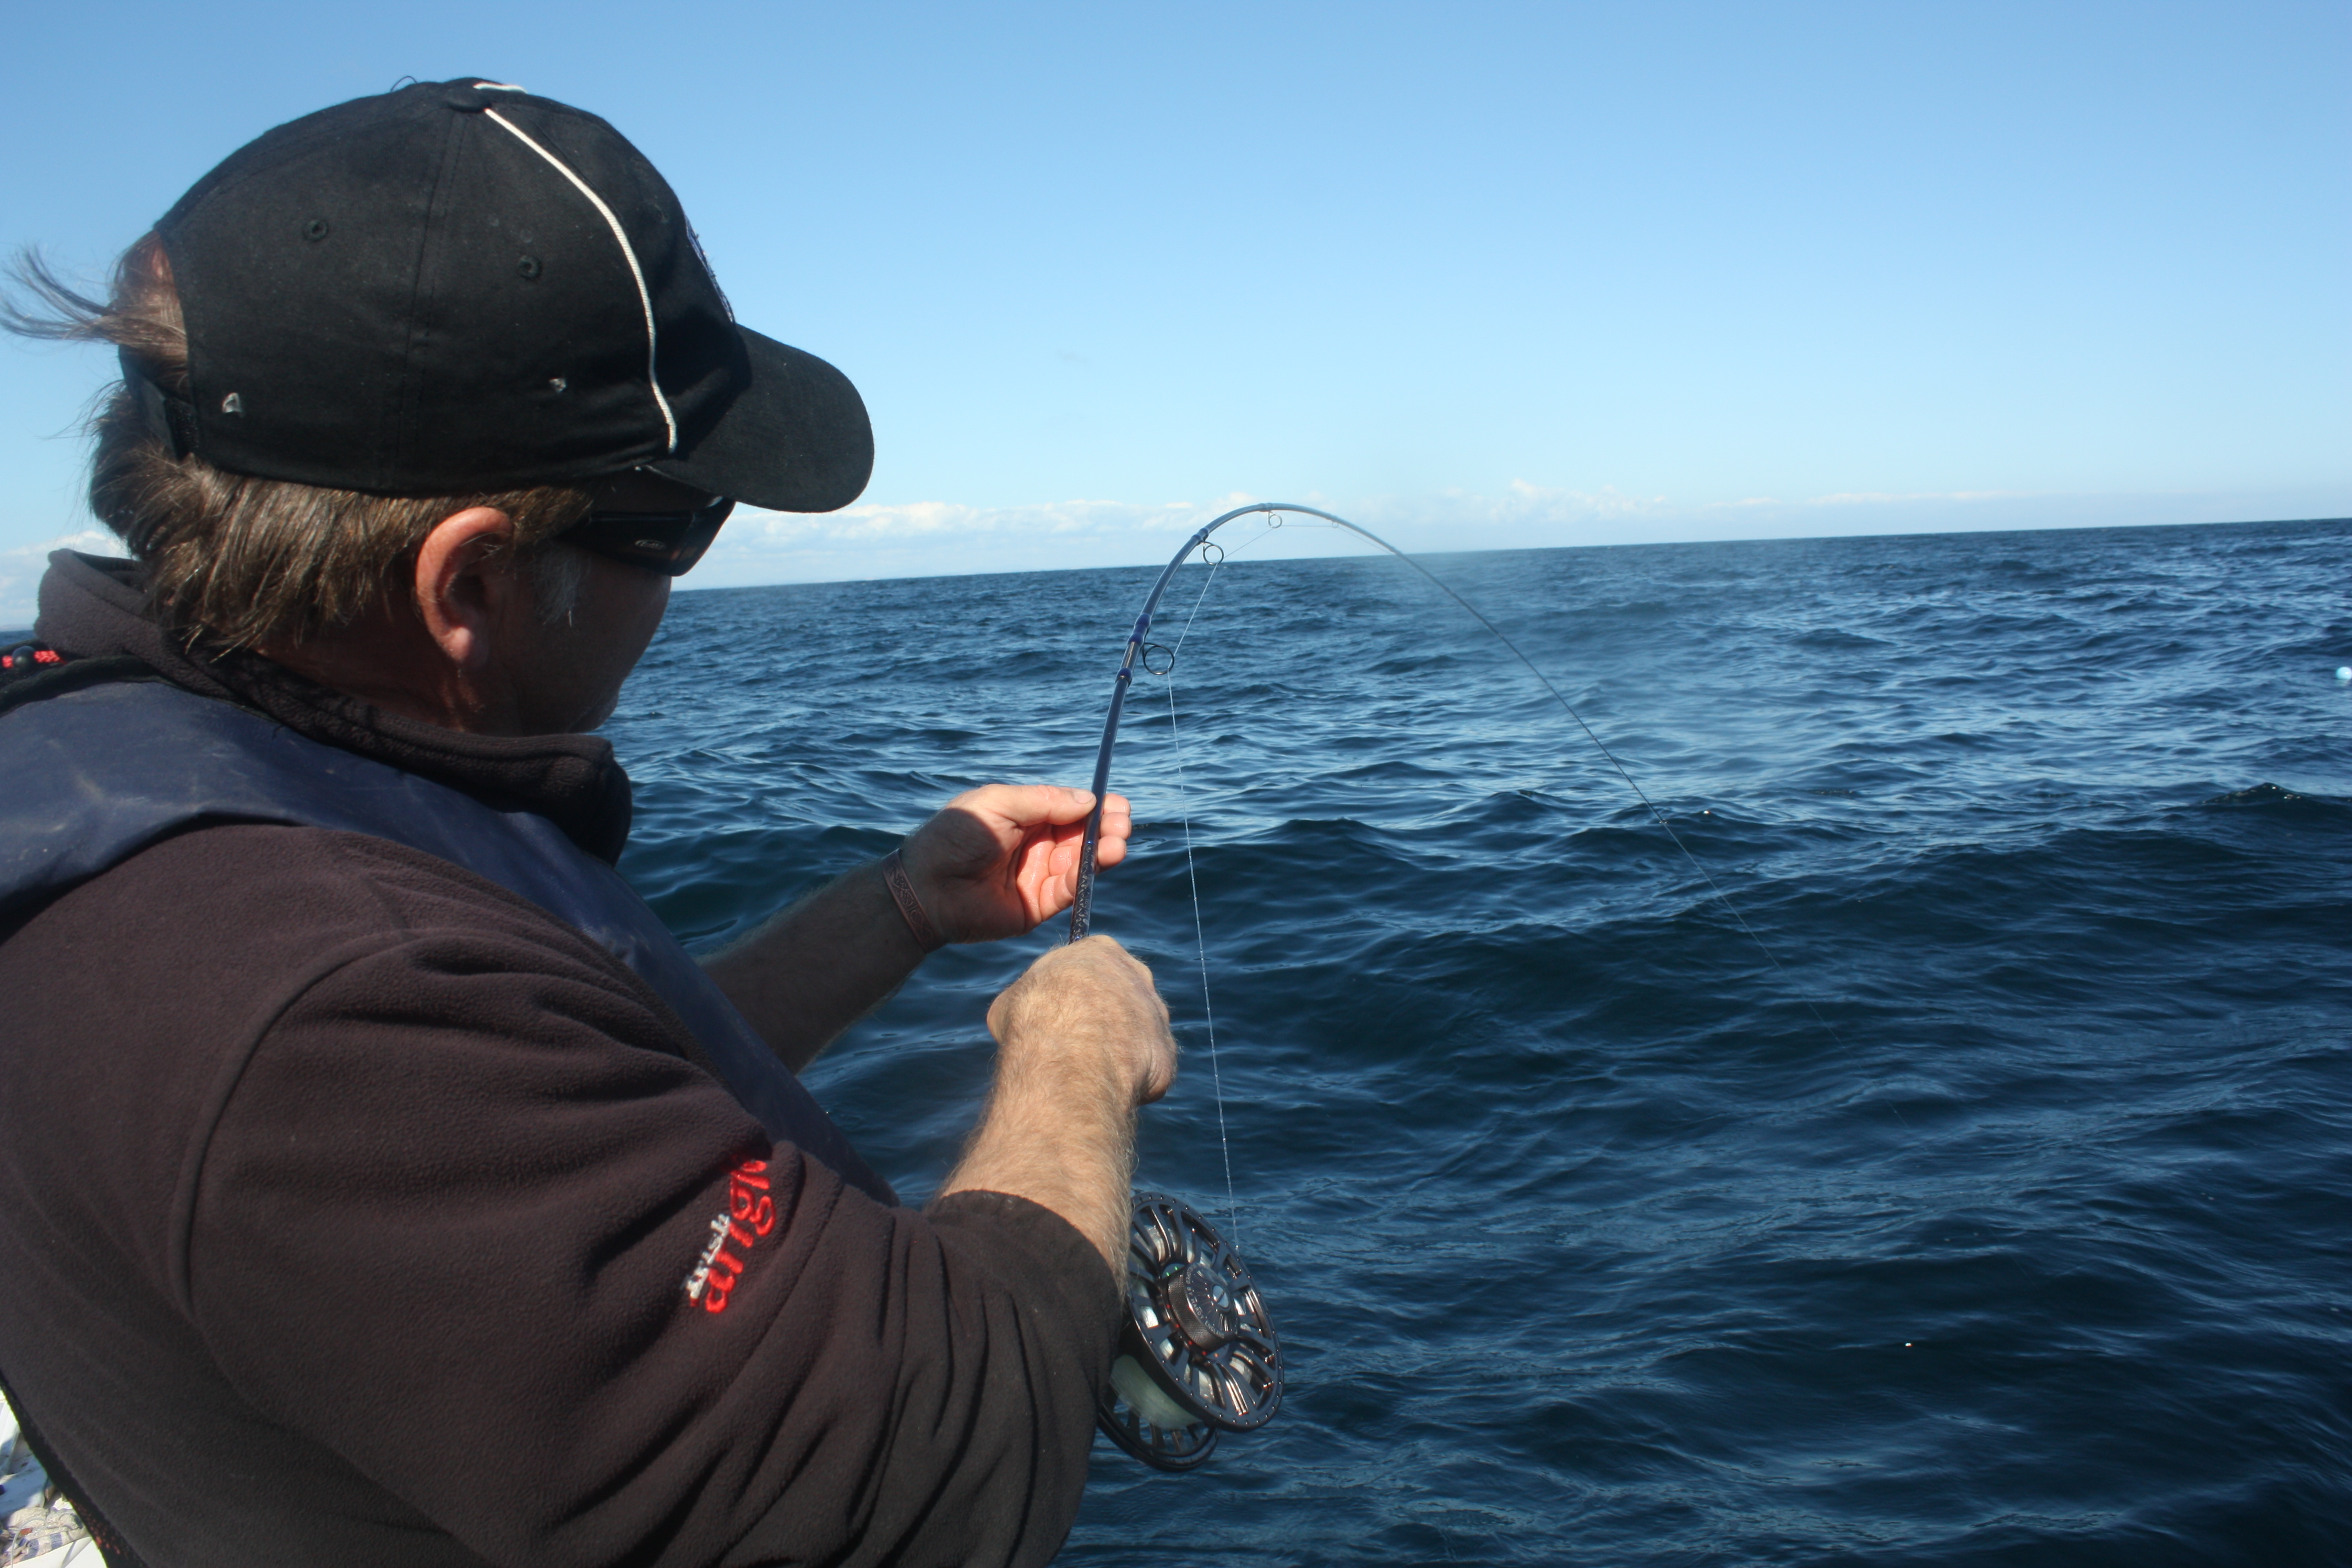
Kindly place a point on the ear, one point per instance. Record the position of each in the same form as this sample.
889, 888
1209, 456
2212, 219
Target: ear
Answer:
466, 586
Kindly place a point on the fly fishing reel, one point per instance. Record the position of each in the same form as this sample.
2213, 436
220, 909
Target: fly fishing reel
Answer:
1198, 1354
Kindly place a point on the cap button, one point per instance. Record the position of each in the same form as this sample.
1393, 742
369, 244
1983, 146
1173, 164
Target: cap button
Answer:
460, 95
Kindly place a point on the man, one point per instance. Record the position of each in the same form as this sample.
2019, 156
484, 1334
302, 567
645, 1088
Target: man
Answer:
382, 1184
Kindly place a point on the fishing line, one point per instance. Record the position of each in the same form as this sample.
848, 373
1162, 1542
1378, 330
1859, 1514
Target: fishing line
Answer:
1192, 881
1191, 875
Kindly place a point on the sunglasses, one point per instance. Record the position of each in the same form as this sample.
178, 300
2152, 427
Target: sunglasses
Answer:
665, 539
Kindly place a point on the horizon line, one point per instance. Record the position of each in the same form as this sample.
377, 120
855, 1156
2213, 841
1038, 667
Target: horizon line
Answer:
11, 629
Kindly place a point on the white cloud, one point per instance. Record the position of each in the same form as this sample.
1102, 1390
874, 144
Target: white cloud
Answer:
1529, 516
935, 520
922, 539
1885, 497
1521, 503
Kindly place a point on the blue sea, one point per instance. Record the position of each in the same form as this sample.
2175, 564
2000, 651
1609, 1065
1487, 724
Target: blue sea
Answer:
1991, 1202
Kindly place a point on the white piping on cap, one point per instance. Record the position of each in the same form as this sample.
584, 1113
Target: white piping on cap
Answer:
628, 253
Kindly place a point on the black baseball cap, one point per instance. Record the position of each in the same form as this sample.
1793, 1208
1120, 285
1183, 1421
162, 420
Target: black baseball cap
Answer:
458, 286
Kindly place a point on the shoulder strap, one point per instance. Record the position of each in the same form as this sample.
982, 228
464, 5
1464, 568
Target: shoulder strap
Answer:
28, 674
33, 671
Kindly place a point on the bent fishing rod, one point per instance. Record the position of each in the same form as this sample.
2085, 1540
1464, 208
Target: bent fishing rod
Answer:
1198, 1354
1082, 907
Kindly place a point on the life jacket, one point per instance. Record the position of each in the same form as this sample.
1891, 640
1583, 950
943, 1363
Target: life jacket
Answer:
99, 759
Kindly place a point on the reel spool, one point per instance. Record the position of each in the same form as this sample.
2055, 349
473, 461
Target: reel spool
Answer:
1198, 1354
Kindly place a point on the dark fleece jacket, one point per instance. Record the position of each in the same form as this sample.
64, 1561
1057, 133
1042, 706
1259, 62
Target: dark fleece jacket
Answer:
348, 1205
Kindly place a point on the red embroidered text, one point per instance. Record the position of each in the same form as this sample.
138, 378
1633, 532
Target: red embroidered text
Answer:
750, 1214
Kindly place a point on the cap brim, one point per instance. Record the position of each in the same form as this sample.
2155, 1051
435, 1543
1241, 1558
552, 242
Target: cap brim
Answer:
795, 439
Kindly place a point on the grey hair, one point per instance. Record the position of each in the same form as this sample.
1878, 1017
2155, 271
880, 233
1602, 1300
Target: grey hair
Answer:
557, 571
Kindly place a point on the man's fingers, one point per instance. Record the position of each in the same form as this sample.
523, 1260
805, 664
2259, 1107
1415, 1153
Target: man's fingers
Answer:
1029, 805
1025, 842
1119, 821
1069, 846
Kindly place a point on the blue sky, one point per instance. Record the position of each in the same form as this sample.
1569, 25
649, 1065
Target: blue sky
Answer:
1480, 275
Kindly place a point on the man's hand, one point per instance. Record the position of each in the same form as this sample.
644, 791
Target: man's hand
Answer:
995, 863
1002, 859
1088, 1008
1082, 1040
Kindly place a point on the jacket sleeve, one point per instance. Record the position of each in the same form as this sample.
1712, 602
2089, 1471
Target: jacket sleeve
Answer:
465, 1216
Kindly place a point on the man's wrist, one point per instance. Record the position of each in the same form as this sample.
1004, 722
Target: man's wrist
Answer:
917, 918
